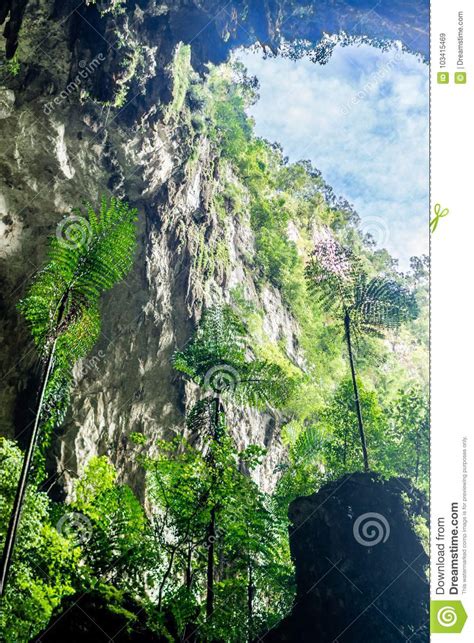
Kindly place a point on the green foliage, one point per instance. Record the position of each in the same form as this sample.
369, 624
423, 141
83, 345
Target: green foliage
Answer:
89, 255
13, 66
226, 101
104, 7
243, 536
137, 438
303, 473
98, 478
250, 540
217, 358
255, 551
117, 536
338, 281
341, 449
62, 301
45, 563
398, 440
209, 257
181, 74
411, 432
278, 257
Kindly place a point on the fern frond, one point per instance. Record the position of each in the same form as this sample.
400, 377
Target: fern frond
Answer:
79, 271
307, 445
61, 305
219, 340
382, 304
219, 359
205, 420
200, 418
80, 335
263, 384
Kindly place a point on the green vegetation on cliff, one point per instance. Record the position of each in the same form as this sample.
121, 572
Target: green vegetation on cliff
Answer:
290, 210
207, 556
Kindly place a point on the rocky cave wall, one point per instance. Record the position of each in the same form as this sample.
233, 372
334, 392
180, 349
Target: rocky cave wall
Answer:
61, 145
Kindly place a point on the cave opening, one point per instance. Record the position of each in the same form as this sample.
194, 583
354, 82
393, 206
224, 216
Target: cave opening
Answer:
361, 118
281, 241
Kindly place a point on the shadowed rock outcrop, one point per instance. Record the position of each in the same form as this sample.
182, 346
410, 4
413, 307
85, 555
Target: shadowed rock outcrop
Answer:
123, 31
95, 617
360, 566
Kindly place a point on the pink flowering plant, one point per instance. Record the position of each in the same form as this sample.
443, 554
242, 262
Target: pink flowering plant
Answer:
332, 272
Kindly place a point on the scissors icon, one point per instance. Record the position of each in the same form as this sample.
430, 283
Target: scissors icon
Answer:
439, 214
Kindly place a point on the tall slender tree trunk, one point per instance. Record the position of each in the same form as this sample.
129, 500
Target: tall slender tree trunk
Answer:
211, 535
164, 580
23, 481
250, 591
347, 326
189, 573
211, 532
189, 627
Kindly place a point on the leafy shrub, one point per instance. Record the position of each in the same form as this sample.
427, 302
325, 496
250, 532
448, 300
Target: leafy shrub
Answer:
45, 564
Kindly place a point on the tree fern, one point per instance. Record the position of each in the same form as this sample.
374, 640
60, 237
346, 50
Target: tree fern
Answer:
336, 279
62, 302
219, 358
61, 308
381, 304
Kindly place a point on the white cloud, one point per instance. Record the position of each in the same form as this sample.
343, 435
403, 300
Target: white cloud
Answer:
363, 121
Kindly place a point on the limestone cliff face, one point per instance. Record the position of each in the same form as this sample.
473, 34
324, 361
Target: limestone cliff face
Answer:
54, 159
86, 115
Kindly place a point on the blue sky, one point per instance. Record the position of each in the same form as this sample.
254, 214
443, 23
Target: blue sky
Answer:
362, 119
